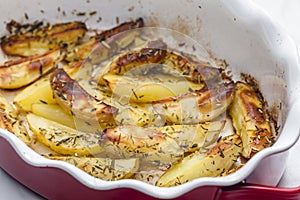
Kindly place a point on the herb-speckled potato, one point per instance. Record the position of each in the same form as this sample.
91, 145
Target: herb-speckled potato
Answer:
106, 43
62, 139
250, 120
213, 163
10, 121
20, 72
195, 107
41, 39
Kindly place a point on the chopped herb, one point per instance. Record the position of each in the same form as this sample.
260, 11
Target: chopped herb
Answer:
181, 44
42, 101
26, 16
41, 67
93, 13
81, 14
99, 19
134, 94
219, 139
191, 90
63, 141
221, 152
14, 123
238, 145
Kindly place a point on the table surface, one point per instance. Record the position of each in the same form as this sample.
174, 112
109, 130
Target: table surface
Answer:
285, 12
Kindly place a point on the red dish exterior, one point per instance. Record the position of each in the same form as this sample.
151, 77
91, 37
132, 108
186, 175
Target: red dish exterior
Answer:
54, 183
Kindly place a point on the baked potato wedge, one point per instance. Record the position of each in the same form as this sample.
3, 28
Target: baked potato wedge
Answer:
195, 107
125, 26
20, 72
165, 144
10, 121
195, 70
53, 112
41, 39
76, 101
103, 168
145, 89
38, 92
133, 141
106, 43
218, 159
157, 53
62, 139
249, 120
193, 137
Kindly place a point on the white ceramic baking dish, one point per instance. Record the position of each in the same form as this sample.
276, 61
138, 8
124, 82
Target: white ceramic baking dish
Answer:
234, 30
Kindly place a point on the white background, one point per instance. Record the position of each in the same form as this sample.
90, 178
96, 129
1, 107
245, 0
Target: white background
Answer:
286, 13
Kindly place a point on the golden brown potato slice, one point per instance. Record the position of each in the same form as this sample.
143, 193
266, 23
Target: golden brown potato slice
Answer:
157, 53
191, 68
42, 39
133, 141
154, 53
38, 92
212, 163
138, 23
103, 45
62, 139
159, 144
103, 168
20, 72
145, 89
53, 112
199, 106
250, 120
75, 100
10, 121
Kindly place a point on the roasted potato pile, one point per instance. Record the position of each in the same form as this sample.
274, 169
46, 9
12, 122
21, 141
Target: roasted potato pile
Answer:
121, 106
